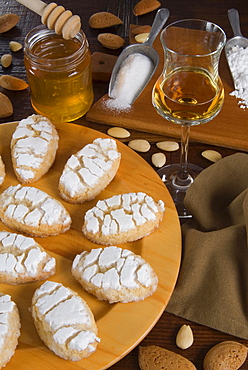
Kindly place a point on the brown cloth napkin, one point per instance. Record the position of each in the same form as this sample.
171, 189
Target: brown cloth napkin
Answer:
212, 287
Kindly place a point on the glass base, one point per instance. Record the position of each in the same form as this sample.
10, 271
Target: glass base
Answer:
168, 175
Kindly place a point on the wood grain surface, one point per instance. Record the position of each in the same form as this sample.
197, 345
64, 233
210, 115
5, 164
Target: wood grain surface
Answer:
228, 129
121, 326
164, 332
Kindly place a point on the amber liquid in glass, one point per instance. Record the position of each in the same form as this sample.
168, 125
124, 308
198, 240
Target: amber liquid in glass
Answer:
188, 95
62, 92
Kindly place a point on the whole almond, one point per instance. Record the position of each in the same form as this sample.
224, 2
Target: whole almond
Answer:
228, 355
104, 20
110, 40
158, 358
184, 337
145, 6
141, 29
6, 107
12, 83
8, 21
139, 145
6, 60
15, 46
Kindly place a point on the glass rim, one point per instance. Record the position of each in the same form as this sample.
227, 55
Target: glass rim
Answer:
220, 47
36, 31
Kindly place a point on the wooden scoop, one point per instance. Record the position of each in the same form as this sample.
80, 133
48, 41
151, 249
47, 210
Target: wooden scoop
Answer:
55, 17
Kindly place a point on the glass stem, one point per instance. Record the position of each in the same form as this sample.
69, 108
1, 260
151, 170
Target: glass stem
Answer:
183, 179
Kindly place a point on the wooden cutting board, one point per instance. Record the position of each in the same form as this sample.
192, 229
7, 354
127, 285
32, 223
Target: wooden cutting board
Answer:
228, 129
120, 326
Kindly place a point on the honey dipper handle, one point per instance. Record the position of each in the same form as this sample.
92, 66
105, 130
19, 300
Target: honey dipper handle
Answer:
37, 6
55, 17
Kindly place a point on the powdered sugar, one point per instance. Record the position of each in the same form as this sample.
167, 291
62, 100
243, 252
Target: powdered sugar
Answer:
238, 63
131, 78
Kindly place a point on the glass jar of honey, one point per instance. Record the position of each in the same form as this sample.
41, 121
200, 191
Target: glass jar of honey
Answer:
59, 74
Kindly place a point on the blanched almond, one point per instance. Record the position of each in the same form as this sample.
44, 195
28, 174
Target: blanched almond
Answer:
15, 46
158, 159
211, 155
12, 83
168, 145
184, 337
145, 6
139, 145
8, 21
104, 20
110, 40
118, 132
6, 107
6, 60
141, 37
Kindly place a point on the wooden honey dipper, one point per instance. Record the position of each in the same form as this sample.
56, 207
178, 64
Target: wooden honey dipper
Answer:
55, 17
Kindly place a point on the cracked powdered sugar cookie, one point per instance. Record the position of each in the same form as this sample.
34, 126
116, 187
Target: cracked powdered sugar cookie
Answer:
23, 260
89, 171
122, 218
115, 274
33, 212
10, 328
64, 321
33, 148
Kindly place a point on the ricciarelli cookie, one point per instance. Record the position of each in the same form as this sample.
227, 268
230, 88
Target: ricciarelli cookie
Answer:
33, 212
64, 321
23, 260
10, 328
115, 274
34, 145
89, 171
122, 218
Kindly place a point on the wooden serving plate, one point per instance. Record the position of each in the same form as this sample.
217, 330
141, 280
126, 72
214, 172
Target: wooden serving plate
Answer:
121, 326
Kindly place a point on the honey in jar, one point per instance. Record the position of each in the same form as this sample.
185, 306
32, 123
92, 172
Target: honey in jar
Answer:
59, 74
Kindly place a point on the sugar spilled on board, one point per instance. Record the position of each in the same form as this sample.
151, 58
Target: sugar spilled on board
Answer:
238, 63
131, 78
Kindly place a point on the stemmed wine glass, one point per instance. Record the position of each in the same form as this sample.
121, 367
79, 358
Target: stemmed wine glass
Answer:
188, 92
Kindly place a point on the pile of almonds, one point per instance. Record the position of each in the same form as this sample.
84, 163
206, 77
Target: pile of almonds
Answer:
228, 355
6, 59
9, 83
140, 145
102, 20
8, 21
158, 159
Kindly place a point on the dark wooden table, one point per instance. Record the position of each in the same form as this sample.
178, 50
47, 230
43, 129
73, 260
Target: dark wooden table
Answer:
164, 332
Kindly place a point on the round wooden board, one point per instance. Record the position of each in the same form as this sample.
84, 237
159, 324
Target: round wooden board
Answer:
121, 326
